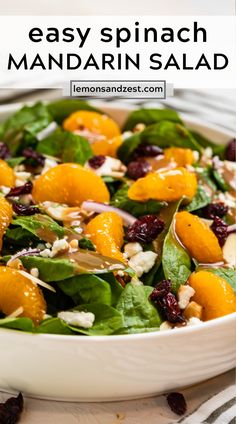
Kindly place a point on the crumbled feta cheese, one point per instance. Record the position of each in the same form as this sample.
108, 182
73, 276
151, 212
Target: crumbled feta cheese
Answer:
78, 230
166, 325
5, 190
111, 167
19, 168
208, 152
59, 246
21, 178
78, 319
126, 135
142, 262
46, 253
193, 321
48, 164
184, 295
132, 249
34, 272
196, 155
120, 273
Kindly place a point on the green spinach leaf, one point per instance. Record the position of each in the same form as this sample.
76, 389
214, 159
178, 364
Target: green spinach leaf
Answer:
67, 146
41, 226
107, 320
200, 200
149, 117
54, 326
138, 312
162, 134
22, 127
120, 200
86, 243
61, 109
22, 324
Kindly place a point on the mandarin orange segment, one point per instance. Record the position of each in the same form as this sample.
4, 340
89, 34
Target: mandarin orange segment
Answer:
95, 122
180, 156
169, 185
7, 177
106, 232
70, 183
213, 293
18, 291
107, 147
198, 238
5, 217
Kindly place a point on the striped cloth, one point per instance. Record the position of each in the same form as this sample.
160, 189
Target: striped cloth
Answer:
219, 409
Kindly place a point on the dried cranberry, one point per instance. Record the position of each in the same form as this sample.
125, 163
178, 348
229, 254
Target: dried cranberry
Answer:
29, 153
166, 302
18, 191
147, 150
177, 403
220, 229
215, 209
145, 229
4, 150
230, 151
136, 170
24, 210
160, 290
170, 308
11, 410
97, 161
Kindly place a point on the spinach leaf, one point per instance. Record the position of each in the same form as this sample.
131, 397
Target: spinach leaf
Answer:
61, 109
87, 288
50, 269
41, 226
54, 326
162, 134
221, 183
67, 146
150, 116
226, 273
90, 288
19, 236
107, 320
23, 324
218, 149
12, 162
85, 243
175, 261
200, 200
22, 127
120, 200
138, 312
62, 267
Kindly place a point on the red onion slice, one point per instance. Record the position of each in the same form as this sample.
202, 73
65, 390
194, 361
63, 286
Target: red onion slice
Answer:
97, 207
24, 252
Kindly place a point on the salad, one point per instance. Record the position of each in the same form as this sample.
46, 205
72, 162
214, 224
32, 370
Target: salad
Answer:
107, 230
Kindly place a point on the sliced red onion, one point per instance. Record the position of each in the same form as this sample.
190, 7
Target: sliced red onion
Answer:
24, 252
97, 207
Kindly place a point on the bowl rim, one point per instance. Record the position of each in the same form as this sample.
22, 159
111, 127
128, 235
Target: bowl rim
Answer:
189, 119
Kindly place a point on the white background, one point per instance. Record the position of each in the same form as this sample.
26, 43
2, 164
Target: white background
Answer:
220, 35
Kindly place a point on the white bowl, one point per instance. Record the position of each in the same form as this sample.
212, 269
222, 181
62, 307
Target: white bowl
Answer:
106, 368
